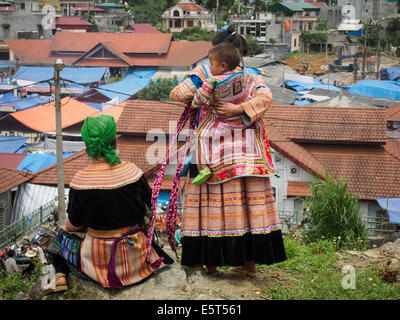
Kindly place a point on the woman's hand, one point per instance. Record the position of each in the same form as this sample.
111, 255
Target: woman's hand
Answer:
227, 109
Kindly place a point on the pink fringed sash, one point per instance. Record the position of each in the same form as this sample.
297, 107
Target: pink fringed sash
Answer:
188, 114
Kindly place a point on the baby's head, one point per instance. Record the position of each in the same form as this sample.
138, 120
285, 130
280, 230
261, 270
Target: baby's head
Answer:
223, 57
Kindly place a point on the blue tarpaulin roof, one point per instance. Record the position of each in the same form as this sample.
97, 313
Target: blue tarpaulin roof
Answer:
377, 88
81, 75
393, 207
11, 144
36, 161
130, 85
30, 101
392, 74
303, 86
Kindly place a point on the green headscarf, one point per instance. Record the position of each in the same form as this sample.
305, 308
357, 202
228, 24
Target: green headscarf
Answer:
98, 133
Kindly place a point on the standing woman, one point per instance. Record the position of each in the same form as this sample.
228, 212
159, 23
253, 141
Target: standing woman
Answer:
236, 222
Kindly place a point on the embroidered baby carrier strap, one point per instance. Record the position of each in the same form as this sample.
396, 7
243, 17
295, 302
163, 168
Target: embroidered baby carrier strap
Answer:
171, 215
100, 175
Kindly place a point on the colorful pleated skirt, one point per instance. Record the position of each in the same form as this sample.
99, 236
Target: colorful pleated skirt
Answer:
231, 223
115, 259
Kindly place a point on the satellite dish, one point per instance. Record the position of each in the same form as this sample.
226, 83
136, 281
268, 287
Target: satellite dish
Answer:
348, 12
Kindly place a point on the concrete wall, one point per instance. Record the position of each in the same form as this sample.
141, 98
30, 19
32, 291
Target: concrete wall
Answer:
332, 15
371, 9
5, 209
23, 20
276, 51
284, 165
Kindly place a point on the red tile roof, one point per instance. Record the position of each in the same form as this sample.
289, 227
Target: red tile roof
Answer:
71, 21
142, 28
393, 113
329, 124
294, 152
139, 117
35, 52
11, 178
135, 43
11, 160
370, 171
189, 7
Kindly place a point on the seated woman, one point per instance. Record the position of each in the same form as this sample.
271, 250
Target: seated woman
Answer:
109, 200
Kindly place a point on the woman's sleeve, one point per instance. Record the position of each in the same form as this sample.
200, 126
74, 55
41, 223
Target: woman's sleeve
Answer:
256, 106
184, 91
74, 210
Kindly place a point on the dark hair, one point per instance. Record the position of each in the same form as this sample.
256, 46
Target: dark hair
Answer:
232, 37
228, 53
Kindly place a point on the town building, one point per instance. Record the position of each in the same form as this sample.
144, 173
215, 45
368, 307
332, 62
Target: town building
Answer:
188, 14
294, 18
367, 10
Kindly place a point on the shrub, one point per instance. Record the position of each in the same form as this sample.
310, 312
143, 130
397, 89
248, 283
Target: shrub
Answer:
334, 214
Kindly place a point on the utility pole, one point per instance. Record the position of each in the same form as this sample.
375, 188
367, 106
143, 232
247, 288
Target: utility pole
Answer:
378, 59
60, 215
365, 50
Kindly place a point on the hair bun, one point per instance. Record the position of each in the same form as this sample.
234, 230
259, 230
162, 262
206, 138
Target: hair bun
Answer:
231, 29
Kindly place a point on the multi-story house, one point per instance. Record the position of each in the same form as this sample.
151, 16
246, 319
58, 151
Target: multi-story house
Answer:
188, 14
294, 18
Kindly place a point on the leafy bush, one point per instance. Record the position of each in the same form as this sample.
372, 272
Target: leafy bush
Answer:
193, 34
334, 214
252, 44
11, 285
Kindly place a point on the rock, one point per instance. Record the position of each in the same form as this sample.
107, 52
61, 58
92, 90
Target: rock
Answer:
371, 254
21, 296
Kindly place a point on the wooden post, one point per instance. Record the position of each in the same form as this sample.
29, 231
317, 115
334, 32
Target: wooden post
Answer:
60, 216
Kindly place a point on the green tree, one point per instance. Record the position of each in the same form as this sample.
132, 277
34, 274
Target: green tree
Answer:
158, 90
149, 11
322, 25
253, 45
333, 214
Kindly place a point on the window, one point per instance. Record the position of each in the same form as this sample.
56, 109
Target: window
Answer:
22, 6
176, 13
294, 171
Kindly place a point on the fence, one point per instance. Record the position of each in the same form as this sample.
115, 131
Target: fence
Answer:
376, 226
13, 232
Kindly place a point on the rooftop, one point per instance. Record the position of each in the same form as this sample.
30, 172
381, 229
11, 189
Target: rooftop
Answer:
10, 178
